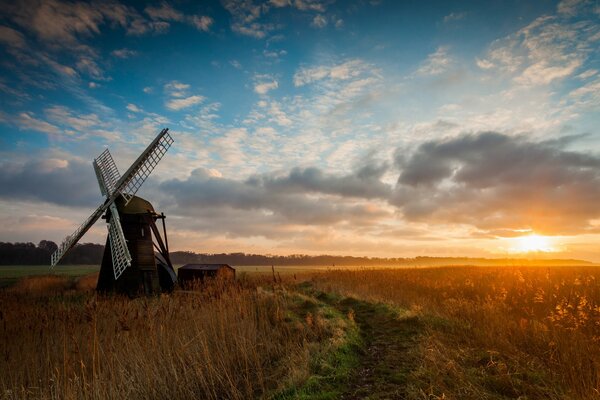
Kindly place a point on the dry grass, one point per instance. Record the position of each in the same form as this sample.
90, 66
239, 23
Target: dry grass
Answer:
494, 332
228, 341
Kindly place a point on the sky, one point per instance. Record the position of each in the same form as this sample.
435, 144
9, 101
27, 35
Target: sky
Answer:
368, 128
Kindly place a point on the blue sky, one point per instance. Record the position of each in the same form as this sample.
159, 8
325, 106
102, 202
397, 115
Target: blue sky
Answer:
310, 126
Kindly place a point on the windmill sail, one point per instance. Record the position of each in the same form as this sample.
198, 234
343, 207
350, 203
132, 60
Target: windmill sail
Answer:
121, 259
73, 238
112, 186
135, 176
106, 172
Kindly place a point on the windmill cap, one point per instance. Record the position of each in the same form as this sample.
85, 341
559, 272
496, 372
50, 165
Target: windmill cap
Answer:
136, 205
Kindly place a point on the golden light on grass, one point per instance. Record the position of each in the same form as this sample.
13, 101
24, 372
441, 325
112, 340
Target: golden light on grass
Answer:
533, 244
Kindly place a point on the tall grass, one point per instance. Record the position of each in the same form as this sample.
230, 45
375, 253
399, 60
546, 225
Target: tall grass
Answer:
532, 332
227, 341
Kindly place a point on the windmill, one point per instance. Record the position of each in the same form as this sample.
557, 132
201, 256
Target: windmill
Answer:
129, 264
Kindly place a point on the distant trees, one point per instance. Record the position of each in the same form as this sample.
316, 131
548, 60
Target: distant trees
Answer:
90, 254
30, 254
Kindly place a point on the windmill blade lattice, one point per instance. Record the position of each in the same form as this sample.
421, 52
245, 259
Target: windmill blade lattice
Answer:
107, 173
143, 166
118, 246
73, 238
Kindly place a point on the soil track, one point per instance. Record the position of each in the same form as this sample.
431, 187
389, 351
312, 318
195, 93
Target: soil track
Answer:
389, 355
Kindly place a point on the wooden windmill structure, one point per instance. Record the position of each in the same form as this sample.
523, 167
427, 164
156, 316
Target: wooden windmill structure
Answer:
130, 264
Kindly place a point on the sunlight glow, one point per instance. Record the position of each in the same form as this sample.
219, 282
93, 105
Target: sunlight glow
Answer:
533, 243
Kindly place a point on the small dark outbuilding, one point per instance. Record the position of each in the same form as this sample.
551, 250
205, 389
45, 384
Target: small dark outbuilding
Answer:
191, 272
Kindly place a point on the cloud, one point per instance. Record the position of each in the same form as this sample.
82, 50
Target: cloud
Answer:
203, 190
454, 16
176, 89
166, 12
185, 102
11, 37
280, 3
436, 62
180, 97
264, 87
310, 5
57, 181
245, 15
364, 182
548, 50
124, 53
90, 67
203, 22
133, 108
274, 54
343, 71
235, 64
26, 121
497, 182
319, 21
69, 21
65, 117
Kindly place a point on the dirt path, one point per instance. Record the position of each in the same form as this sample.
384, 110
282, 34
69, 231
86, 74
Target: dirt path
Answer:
389, 354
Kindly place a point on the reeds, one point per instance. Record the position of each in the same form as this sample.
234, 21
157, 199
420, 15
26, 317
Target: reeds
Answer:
517, 331
225, 342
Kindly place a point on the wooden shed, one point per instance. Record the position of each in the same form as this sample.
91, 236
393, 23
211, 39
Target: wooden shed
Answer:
191, 272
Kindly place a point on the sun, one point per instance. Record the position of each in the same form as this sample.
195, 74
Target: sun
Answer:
533, 243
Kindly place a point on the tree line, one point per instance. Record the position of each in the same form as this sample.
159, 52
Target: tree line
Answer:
31, 254
91, 254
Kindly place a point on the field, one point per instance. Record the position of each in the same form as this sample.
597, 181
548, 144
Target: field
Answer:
428, 333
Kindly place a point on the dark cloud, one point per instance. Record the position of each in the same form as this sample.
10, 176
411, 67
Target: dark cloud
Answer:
364, 182
60, 182
498, 182
288, 198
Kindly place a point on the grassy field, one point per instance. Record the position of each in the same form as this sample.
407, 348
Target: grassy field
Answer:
9, 274
427, 333
493, 333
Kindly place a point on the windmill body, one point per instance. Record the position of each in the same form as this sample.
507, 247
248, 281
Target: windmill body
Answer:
136, 256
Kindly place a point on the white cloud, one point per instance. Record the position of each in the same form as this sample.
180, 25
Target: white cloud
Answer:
436, 62
27, 121
124, 53
148, 89
280, 3
265, 87
133, 108
319, 21
542, 73
202, 22
484, 64
69, 120
176, 89
341, 71
181, 103
587, 74
90, 67
548, 50
310, 5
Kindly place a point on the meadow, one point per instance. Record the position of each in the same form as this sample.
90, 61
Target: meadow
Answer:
514, 332
427, 333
